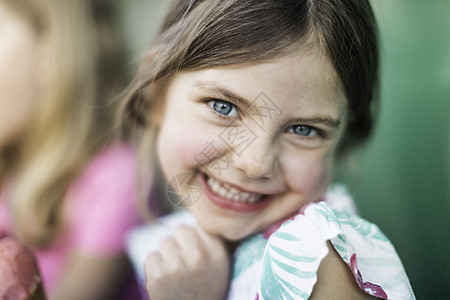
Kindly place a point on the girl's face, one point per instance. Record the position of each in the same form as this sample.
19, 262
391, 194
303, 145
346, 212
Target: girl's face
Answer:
259, 140
18, 72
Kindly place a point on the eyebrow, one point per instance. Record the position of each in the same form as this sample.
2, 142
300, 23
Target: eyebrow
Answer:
318, 120
219, 91
211, 87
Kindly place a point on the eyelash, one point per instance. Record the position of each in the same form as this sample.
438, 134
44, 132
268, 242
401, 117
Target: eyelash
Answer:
317, 131
222, 116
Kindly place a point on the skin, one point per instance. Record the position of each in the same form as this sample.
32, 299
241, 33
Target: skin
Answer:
19, 53
294, 169
23, 62
335, 281
191, 265
19, 276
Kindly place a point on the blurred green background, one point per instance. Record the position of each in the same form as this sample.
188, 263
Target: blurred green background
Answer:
401, 180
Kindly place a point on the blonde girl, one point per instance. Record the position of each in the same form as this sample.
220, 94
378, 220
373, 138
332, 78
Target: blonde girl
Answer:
241, 109
67, 187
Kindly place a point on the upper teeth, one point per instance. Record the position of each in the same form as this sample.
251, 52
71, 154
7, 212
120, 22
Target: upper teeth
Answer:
225, 190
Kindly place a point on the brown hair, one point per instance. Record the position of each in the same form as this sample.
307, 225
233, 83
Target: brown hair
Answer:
203, 34
71, 121
212, 33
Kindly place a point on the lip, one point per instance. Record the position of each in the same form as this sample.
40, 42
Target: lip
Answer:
224, 203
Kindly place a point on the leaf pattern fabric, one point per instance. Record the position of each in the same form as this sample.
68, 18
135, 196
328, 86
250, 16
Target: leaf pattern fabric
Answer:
293, 249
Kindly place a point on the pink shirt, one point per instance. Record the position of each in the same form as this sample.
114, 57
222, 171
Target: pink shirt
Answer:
100, 208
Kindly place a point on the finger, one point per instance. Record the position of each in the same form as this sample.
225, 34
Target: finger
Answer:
215, 245
152, 266
155, 275
193, 249
208, 239
186, 236
169, 250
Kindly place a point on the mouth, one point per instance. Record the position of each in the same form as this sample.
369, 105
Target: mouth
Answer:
231, 197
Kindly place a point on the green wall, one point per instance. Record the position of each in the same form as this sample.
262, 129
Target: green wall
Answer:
401, 181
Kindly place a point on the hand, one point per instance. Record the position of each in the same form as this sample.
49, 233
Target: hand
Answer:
191, 264
19, 276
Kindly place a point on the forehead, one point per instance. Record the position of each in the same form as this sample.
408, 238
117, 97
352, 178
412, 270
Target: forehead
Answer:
298, 81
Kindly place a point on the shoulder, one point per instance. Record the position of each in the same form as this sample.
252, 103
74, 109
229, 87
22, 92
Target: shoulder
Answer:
117, 158
352, 249
114, 165
109, 178
101, 205
327, 251
335, 279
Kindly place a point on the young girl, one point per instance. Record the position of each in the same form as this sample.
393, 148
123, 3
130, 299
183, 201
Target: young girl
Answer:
66, 190
243, 107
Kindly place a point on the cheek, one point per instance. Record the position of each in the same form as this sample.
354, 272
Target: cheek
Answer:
180, 143
310, 175
18, 90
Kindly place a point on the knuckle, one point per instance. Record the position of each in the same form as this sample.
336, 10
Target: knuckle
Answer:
167, 244
219, 256
196, 257
184, 233
153, 260
183, 228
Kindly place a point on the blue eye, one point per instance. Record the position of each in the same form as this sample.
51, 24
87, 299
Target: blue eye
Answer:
223, 107
303, 130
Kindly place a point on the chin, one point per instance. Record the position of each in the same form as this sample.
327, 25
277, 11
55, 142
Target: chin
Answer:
233, 237
228, 235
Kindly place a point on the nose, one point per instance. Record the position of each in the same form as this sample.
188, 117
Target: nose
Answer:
257, 160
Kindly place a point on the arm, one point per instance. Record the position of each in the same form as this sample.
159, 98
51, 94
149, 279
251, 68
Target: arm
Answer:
100, 209
335, 279
189, 265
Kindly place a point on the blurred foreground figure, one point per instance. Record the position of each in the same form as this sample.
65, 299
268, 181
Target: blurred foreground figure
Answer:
19, 276
66, 183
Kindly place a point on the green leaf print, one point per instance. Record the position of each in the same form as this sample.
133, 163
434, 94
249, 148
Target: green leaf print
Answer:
297, 291
248, 253
280, 277
292, 256
293, 270
378, 235
286, 236
273, 286
329, 216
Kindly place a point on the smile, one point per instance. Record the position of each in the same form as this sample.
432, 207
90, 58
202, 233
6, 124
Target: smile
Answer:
232, 198
223, 189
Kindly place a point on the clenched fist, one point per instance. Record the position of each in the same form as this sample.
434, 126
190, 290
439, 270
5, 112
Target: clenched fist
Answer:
190, 264
19, 276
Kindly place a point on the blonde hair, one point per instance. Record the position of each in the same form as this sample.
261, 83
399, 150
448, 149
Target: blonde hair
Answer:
70, 123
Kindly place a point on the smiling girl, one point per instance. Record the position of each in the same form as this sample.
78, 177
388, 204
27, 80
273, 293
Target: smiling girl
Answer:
250, 103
